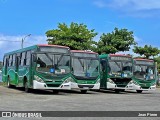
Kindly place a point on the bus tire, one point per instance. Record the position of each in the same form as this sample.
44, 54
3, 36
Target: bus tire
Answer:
55, 91
117, 91
8, 83
26, 88
83, 91
139, 91
122, 90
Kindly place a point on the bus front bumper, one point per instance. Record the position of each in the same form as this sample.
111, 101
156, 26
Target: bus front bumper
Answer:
85, 86
137, 87
39, 85
113, 86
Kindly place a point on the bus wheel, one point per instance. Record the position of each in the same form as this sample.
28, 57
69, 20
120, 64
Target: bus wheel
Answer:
139, 91
83, 91
26, 88
8, 83
55, 91
122, 90
117, 91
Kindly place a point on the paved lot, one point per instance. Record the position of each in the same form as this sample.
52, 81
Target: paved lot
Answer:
14, 99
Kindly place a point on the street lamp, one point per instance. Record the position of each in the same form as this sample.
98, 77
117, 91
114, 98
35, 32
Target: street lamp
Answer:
24, 39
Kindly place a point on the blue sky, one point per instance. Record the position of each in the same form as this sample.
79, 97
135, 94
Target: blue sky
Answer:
19, 18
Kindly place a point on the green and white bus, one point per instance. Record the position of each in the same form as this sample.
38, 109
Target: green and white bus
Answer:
38, 67
116, 71
144, 75
85, 69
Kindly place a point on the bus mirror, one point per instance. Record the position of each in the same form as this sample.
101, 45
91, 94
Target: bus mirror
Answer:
34, 58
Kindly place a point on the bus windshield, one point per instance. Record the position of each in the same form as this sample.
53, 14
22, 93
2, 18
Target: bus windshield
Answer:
144, 71
53, 63
85, 67
120, 66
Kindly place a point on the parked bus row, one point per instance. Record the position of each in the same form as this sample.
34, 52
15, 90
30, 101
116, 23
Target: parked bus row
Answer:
58, 68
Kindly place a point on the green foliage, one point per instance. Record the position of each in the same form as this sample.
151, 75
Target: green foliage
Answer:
157, 59
76, 36
147, 51
118, 40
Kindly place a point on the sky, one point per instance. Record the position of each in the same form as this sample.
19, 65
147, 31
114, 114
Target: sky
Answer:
19, 18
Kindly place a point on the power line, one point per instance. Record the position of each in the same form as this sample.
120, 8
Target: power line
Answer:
10, 41
14, 41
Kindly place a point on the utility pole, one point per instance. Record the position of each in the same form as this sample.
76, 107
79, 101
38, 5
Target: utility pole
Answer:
24, 39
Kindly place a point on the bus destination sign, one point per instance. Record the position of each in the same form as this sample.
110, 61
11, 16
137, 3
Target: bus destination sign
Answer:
120, 58
143, 62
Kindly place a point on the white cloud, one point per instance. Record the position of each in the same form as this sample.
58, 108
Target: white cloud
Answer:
136, 8
10, 43
139, 4
132, 4
100, 3
137, 39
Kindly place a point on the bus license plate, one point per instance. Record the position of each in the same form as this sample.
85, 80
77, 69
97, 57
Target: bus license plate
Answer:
85, 87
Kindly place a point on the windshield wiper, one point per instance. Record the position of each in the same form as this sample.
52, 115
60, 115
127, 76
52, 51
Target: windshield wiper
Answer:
118, 65
60, 59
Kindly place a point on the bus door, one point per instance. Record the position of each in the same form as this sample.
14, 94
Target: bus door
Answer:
17, 62
33, 67
103, 73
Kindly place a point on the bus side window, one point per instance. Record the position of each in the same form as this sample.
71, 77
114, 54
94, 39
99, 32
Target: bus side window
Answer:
10, 60
20, 60
4, 61
28, 57
14, 60
23, 60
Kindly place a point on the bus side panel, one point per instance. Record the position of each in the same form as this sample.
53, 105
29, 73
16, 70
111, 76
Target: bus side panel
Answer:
23, 71
12, 75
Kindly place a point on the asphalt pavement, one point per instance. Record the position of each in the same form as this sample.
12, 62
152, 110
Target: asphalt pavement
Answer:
15, 99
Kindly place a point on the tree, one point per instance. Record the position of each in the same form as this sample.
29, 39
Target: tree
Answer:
76, 36
157, 59
147, 51
117, 40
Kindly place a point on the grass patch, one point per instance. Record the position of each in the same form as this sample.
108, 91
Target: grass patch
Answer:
2, 84
158, 86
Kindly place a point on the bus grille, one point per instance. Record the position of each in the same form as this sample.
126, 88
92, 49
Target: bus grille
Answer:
121, 85
53, 85
145, 87
89, 86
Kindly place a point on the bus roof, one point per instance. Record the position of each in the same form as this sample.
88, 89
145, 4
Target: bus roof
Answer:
142, 59
123, 55
33, 47
53, 45
83, 51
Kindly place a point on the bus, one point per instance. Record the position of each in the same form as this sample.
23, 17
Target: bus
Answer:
38, 67
144, 75
116, 71
85, 69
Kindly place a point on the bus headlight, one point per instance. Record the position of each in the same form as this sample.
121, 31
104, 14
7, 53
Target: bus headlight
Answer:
69, 80
110, 80
154, 84
98, 81
133, 82
38, 79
